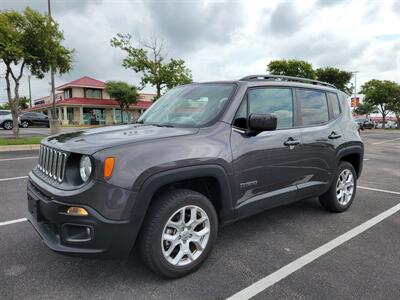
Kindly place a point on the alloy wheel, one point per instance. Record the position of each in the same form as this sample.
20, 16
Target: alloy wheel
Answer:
345, 187
185, 235
8, 125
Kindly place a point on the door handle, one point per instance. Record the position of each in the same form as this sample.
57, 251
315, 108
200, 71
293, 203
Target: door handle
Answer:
333, 136
291, 142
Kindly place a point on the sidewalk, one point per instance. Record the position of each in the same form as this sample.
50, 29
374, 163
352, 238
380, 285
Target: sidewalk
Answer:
19, 148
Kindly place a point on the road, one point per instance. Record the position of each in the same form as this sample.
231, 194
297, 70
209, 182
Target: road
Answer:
365, 267
36, 131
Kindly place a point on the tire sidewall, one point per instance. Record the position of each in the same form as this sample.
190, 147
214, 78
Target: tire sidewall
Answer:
344, 165
5, 125
25, 122
189, 199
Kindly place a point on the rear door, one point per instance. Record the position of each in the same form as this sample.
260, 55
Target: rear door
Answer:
40, 119
319, 113
265, 165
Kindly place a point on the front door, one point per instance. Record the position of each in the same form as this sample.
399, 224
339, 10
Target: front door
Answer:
265, 165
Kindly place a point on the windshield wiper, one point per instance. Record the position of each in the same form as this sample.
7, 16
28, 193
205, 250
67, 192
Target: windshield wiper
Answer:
160, 124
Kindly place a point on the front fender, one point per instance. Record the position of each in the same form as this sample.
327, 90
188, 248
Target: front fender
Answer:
158, 180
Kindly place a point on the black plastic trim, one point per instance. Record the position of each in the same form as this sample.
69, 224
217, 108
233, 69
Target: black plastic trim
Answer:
156, 181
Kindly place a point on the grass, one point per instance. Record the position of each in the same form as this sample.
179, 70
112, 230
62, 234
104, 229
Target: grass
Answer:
9, 141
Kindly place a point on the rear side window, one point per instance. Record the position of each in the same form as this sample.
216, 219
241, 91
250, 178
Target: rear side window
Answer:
334, 101
313, 107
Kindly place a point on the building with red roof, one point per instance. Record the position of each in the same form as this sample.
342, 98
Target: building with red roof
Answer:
84, 101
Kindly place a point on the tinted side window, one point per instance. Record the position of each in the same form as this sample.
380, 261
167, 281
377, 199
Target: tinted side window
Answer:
334, 101
313, 105
241, 116
273, 100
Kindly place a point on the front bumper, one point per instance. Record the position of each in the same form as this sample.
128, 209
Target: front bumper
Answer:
105, 237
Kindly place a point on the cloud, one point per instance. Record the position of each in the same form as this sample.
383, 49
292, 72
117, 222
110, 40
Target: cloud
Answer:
396, 7
226, 39
189, 26
329, 3
285, 19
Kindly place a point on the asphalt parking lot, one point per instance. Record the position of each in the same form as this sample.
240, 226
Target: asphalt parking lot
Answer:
366, 266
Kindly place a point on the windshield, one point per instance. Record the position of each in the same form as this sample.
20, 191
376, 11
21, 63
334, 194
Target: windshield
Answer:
189, 106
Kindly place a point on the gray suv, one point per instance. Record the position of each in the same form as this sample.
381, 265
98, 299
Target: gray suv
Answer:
202, 156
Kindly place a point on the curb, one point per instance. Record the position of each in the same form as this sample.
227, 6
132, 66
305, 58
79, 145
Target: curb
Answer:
19, 147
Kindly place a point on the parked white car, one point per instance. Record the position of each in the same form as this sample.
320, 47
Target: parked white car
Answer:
6, 119
389, 124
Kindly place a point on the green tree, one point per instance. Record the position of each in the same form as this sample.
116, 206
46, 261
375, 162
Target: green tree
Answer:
5, 106
366, 109
394, 103
30, 40
335, 76
149, 59
23, 104
123, 93
379, 93
291, 67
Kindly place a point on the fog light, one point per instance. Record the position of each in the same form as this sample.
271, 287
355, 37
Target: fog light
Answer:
77, 211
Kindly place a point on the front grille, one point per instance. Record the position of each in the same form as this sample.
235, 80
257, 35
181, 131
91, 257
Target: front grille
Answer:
52, 163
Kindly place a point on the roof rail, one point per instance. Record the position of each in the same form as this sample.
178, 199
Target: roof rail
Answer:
286, 78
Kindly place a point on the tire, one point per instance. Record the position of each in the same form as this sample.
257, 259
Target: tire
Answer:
25, 124
8, 125
336, 199
167, 209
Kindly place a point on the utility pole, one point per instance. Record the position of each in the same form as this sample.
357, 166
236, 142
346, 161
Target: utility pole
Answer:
54, 123
355, 88
30, 92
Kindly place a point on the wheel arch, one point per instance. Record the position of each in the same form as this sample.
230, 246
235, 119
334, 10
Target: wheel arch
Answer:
353, 154
209, 180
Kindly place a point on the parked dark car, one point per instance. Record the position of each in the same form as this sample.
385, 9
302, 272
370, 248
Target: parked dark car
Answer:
34, 119
365, 123
203, 156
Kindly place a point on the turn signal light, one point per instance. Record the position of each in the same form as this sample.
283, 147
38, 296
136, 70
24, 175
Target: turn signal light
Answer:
108, 167
77, 211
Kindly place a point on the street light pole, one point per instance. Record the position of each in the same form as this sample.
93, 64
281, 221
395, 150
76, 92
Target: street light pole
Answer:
355, 88
54, 123
30, 92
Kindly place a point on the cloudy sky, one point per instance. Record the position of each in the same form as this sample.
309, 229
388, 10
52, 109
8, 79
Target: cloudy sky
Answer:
226, 39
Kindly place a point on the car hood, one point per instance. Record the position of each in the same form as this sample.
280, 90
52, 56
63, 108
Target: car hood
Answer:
92, 140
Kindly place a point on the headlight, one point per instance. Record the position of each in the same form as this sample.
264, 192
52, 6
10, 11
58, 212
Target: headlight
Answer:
85, 167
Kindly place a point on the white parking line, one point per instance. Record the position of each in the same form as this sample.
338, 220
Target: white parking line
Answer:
378, 190
13, 221
299, 263
19, 158
13, 178
387, 141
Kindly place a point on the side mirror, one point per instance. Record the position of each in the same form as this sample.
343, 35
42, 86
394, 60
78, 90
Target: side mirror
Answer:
262, 122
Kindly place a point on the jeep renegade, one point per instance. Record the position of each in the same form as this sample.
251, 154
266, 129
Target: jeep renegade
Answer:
202, 156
